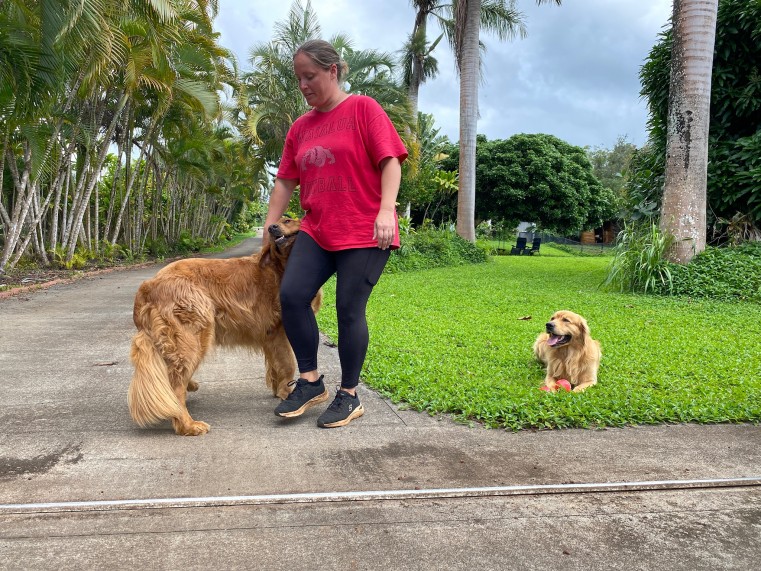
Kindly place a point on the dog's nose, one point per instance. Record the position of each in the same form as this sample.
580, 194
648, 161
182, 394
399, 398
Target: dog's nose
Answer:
274, 227
550, 326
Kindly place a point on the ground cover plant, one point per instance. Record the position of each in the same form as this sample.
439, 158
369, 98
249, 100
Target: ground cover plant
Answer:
434, 248
728, 274
458, 341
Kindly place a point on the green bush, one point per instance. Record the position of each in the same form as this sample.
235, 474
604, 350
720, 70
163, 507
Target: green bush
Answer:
157, 248
725, 274
251, 215
579, 250
108, 252
78, 260
187, 243
433, 248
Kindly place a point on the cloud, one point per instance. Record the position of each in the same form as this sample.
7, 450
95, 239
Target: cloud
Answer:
575, 76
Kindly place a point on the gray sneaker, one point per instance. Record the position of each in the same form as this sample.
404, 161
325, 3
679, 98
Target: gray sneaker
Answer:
342, 411
304, 396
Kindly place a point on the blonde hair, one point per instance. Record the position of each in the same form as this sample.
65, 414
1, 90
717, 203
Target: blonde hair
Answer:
323, 54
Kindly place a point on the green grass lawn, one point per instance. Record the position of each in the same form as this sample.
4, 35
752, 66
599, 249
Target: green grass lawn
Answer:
452, 340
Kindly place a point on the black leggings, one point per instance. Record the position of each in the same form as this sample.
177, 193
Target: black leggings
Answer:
309, 267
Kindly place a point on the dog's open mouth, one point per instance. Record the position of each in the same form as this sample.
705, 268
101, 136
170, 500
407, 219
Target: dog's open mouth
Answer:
277, 235
558, 340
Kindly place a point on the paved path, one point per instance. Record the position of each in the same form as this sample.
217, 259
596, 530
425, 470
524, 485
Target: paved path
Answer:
76, 474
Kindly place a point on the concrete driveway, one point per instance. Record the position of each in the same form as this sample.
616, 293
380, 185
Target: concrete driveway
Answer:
82, 487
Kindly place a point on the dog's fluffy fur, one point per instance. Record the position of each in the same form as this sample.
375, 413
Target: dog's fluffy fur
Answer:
568, 351
192, 305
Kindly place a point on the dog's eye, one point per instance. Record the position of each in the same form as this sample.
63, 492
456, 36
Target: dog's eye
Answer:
566, 320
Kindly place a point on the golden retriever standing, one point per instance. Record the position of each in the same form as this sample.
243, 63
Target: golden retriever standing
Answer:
568, 351
192, 305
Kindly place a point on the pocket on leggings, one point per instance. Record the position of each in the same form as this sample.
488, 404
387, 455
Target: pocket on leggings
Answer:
376, 261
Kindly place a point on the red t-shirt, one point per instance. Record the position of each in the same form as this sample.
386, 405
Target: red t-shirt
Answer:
335, 157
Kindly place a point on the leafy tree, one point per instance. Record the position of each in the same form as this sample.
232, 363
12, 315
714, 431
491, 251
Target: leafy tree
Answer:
541, 179
80, 78
611, 166
426, 186
734, 150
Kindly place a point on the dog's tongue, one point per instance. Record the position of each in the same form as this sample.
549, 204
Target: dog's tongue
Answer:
553, 340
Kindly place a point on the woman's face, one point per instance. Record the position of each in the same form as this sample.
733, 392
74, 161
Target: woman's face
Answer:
317, 85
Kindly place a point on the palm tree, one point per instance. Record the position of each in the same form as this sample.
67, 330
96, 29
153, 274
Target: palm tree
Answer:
683, 211
417, 60
496, 16
467, 21
76, 78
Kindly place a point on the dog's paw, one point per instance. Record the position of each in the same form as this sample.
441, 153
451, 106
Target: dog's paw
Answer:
581, 388
195, 428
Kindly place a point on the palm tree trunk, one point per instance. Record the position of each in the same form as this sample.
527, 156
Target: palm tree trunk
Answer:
60, 180
95, 172
130, 173
683, 212
416, 78
22, 204
5, 220
468, 58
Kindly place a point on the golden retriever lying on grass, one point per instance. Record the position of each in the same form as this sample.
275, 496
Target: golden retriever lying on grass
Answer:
568, 352
192, 305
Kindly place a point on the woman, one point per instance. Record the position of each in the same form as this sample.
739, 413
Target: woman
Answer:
345, 156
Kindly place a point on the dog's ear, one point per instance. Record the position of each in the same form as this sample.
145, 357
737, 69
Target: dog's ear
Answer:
584, 329
265, 255
272, 255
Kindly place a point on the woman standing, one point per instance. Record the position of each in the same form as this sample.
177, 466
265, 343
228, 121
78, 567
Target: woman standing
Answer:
345, 155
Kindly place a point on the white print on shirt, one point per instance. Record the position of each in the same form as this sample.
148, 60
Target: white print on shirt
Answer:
317, 156
330, 184
343, 124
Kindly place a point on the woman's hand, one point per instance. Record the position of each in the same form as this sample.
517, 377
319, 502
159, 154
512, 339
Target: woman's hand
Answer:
385, 228
281, 194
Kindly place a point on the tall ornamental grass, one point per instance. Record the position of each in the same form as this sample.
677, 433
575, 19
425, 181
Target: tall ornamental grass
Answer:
639, 263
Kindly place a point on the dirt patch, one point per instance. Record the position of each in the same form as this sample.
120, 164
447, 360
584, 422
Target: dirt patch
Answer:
19, 281
10, 467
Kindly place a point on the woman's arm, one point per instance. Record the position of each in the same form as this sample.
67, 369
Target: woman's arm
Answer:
385, 222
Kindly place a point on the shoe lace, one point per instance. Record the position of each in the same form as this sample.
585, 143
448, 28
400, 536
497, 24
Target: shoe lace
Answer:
340, 396
296, 392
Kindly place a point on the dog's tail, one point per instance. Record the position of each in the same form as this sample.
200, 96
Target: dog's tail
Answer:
151, 398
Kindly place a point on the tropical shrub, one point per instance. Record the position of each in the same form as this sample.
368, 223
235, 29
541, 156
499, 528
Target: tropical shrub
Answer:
433, 248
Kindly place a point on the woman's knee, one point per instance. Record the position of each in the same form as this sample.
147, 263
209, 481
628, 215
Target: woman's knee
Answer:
294, 297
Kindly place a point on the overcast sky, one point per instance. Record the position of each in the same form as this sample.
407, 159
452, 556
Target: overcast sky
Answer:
575, 76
